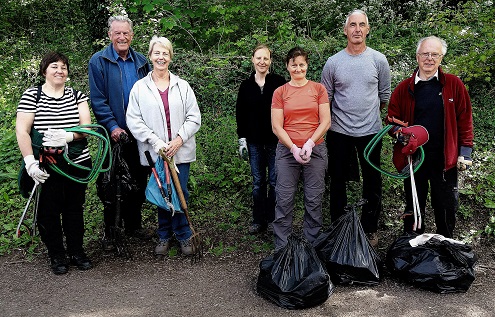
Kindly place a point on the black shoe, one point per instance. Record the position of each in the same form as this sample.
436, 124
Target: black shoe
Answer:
81, 261
59, 264
256, 228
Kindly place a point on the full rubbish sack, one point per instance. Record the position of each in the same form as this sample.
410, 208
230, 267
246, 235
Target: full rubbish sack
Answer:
432, 262
346, 252
294, 277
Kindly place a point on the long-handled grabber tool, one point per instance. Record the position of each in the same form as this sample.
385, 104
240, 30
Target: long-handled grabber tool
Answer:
196, 241
32, 232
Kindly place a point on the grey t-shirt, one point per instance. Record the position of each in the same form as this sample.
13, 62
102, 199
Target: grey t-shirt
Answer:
356, 86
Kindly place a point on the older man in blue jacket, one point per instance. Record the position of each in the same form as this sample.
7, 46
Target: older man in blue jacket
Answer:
112, 73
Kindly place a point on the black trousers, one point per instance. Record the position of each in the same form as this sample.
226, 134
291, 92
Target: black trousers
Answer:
444, 194
131, 203
341, 147
60, 211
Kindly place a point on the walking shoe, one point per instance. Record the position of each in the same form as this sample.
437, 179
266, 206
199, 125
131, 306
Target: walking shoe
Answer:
186, 247
372, 238
81, 261
255, 228
162, 247
59, 264
107, 244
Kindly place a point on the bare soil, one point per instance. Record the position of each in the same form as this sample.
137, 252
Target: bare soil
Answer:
216, 286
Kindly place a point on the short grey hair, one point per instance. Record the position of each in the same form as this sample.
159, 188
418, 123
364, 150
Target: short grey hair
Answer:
442, 41
120, 18
163, 41
354, 12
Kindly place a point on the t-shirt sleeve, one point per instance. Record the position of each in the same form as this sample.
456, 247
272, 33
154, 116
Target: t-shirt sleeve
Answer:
322, 94
28, 101
277, 100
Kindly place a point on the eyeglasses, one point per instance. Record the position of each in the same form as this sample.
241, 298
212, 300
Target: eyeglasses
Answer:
434, 56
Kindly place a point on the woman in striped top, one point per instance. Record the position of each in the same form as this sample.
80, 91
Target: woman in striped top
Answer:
48, 110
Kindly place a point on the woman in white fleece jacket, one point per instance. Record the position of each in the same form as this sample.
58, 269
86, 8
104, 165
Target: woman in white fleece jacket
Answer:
163, 114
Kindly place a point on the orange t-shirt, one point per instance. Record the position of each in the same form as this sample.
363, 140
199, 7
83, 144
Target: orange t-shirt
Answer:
301, 109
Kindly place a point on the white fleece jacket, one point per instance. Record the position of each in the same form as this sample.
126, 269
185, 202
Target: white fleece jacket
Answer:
146, 117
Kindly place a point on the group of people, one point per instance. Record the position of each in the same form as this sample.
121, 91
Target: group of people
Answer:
318, 128
154, 109
287, 130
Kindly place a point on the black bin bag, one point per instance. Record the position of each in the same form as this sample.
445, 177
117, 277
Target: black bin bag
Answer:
294, 277
438, 265
346, 252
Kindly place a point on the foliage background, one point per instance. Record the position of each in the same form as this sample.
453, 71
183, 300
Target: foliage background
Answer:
213, 40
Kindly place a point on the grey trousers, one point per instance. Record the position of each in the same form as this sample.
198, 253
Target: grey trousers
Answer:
289, 172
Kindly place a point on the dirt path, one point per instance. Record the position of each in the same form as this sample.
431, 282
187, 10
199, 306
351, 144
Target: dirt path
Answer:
214, 287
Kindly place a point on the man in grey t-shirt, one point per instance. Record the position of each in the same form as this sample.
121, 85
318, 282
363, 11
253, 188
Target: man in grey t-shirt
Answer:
358, 83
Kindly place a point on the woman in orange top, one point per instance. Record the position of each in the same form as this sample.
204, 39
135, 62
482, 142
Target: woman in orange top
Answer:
300, 119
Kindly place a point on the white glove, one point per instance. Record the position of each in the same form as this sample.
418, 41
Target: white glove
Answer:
34, 171
243, 150
464, 162
57, 137
158, 145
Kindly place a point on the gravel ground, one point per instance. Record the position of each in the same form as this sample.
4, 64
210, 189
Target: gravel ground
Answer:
217, 286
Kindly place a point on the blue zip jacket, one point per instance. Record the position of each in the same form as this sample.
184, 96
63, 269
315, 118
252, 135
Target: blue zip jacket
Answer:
105, 84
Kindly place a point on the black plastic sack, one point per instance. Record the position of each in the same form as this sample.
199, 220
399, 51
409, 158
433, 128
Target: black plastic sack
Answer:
347, 253
106, 184
439, 266
294, 277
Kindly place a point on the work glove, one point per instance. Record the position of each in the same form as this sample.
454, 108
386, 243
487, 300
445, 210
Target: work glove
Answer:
34, 171
414, 137
296, 152
57, 137
464, 162
243, 150
307, 149
158, 145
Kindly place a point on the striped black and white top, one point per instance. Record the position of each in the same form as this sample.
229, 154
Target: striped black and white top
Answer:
54, 113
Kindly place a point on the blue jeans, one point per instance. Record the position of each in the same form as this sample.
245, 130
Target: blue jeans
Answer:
262, 157
178, 225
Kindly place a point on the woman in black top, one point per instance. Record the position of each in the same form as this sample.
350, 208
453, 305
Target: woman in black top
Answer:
256, 139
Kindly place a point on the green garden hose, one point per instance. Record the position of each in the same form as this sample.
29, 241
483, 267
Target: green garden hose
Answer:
405, 172
97, 163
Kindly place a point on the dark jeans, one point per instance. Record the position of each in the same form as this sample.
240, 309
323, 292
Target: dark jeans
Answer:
178, 225
261, 158
340, 149
60, 211
131, 202
444, 194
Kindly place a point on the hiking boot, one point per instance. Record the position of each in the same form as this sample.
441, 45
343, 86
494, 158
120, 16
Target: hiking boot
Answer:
255, 228
82, 262
186, 247
162, 247
107, 244
372, 238
59, 264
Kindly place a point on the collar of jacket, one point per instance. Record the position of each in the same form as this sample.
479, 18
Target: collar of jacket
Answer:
441, 79
108, 54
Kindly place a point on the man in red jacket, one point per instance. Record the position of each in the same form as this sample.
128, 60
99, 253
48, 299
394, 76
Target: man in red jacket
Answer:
439, 102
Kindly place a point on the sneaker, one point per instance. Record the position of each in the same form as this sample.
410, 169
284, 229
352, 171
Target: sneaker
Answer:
186, 247
107, 244
255, 228
162, 247
59, 264
82, 262
372, 238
